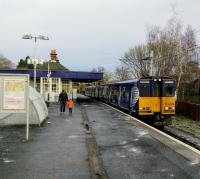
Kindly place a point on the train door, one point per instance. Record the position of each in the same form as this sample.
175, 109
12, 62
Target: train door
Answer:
119, 95
134, 98
96, 95
110, 93
156, 95
105, 93
125, 93
114, 94
100, 92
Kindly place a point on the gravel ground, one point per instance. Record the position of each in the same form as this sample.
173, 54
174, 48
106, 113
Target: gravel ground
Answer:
186, 129
186, 124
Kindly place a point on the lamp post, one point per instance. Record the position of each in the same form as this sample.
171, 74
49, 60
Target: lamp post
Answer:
48, 78
35, 61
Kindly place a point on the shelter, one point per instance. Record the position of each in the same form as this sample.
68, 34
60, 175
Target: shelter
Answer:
38, 111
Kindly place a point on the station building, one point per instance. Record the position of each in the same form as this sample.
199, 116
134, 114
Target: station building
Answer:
52, 77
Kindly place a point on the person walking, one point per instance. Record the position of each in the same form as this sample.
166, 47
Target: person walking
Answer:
63, 98
70, 105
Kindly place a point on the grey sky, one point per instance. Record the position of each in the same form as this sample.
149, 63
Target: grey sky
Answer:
85, 33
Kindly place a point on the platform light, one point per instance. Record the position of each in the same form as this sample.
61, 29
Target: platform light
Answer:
35, 61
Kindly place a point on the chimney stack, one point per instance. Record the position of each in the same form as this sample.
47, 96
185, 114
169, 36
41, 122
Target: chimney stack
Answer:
54, 57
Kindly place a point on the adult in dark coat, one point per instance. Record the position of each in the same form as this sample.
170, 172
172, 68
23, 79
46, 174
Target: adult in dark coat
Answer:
63, 98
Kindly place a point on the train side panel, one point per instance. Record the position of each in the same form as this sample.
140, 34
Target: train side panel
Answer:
124, 98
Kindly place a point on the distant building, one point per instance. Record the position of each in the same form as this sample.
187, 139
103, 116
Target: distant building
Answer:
60, 78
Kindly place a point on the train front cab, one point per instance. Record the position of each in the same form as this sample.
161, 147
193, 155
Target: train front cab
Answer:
157, 99
168, 97
146, 104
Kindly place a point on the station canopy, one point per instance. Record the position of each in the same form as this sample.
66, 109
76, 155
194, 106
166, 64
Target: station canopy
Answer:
57, 70
75, 76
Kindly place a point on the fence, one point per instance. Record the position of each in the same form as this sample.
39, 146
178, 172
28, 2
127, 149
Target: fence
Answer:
188, 109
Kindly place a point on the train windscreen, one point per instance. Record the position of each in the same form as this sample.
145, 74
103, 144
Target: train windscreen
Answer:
169, 88
144, 88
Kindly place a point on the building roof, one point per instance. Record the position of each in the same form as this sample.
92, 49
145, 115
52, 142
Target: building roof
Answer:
75, 76
54, 66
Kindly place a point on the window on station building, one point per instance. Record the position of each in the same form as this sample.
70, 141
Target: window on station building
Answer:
65, 85
55, 85
45, 85
38, 85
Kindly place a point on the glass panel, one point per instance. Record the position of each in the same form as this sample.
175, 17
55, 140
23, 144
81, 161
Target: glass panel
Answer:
55, 85
65, 86
169, 89
156, 89
45, 85
144, 89
124, 92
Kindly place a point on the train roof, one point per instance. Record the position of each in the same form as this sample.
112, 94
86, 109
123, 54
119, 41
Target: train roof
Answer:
126, 81
157, 77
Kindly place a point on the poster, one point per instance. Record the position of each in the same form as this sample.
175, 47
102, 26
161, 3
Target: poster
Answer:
14, 94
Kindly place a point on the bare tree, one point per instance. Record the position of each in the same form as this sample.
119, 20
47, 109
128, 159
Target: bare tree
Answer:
122, 73
107, 76
5, 63
166, 45
174, 52
133, 60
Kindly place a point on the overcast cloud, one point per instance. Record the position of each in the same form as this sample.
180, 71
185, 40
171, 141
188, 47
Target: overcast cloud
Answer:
85, 33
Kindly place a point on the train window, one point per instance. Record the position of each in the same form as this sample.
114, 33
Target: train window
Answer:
127, 95
169, 88
115, 91
144, 88
124, 92
156, 89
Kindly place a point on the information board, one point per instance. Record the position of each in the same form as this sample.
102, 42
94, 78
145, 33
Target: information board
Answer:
14, 93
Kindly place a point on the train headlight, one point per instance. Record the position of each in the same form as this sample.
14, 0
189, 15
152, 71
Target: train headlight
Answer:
166, 108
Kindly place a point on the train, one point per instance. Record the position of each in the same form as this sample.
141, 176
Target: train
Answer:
150, 98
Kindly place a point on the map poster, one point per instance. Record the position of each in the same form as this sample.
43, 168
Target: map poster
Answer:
14, 94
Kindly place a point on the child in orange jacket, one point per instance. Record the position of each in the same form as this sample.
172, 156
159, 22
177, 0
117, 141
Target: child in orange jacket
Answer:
70, 105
